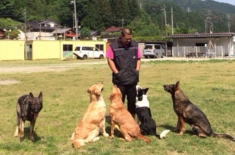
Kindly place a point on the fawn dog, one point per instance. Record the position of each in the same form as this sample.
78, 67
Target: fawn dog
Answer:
93, 121
27, 108
120, 116
147, 124
191, 114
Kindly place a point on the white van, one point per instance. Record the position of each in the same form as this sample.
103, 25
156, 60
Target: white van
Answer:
84, 52
153, 51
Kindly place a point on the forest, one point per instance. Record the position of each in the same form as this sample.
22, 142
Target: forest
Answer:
149, 19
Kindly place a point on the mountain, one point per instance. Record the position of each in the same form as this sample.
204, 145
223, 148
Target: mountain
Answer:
198, 5
193, 13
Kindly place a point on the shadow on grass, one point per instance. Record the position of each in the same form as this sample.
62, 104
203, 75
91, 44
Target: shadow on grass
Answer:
26, 134
169, 127
108, 128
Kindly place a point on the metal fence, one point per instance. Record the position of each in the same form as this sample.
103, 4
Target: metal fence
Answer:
198, 51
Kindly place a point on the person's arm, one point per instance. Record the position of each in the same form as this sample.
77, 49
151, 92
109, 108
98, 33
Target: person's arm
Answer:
138, 65
109, 55
112, 66
138, 59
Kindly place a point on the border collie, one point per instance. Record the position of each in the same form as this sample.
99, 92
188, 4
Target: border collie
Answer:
147, 124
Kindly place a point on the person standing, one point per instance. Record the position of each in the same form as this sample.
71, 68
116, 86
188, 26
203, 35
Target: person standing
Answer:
123, 57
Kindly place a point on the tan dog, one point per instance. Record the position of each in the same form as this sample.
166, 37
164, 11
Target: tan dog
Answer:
120, 116
93, 121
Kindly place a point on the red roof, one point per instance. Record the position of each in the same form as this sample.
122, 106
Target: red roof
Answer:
113, 29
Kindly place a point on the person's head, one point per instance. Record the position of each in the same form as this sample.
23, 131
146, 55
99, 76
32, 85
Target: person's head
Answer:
126, 35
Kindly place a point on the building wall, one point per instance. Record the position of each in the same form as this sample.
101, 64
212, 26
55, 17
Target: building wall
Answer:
222, 41
141, 47
225, 42
11, 50
46, 49
41, 49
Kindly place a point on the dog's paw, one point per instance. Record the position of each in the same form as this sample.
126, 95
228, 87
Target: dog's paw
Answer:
180, 133
15, 135
32, 139
96, 139
72, 136
111, 136
105, 135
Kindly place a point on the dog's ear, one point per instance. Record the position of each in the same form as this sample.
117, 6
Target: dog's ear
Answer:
31, 95
40, 96
97, 92
89, 90
177, 85
111, 96
146, 90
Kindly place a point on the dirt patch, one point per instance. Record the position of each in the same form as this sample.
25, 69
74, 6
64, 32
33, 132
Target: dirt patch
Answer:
8, 82
49, 68
32, 69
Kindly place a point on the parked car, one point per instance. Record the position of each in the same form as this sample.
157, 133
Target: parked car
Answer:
84, 52
153, 51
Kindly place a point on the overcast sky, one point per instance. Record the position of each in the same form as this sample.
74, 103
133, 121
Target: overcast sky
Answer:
227, 1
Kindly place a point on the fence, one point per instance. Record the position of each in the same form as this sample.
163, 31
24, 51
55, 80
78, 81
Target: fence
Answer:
198, 51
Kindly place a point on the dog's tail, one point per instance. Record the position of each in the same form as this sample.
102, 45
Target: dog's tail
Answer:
226, 136
162, 134
140, 136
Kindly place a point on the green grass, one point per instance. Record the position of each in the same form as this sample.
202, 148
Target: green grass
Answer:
208, 84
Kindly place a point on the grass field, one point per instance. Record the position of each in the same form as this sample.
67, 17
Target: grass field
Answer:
208, 84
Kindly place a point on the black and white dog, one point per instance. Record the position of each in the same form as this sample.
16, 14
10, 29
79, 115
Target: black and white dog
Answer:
147, 124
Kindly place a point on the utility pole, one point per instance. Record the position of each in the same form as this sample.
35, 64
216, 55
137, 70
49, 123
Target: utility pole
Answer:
122, 22
228, 22
75, 20
172, 27
164, 10
24, 13
208, 23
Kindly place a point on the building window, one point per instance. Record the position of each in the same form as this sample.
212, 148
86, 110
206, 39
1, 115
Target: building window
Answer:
68, 50
100, 46
67, 47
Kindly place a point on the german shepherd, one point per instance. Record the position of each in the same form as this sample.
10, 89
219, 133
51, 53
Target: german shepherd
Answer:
191, 114
27, 108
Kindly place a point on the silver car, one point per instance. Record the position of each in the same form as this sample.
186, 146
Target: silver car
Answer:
153, 51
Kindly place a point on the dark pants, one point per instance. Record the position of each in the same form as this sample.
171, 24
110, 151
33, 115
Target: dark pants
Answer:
129, 91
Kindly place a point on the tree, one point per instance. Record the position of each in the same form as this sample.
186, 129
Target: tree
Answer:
181, 29
85, 32
120, 12
144, 28
92, 20
6, 8
104, 11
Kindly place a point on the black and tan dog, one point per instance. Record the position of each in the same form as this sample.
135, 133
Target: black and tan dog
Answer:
191, 114
27, 108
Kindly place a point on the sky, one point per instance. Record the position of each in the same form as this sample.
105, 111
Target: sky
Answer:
227, 1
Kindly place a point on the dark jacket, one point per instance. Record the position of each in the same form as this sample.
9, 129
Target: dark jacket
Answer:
125, 60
